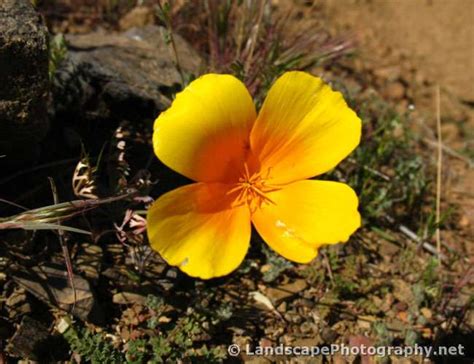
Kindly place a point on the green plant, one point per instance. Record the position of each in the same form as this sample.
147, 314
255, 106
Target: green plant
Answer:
164, 14
136, 351
57, 53
276, 264
179, 342
176, 342
386, 170
94, 348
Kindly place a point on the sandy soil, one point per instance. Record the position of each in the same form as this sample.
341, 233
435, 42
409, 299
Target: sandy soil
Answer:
436, 36
408, 48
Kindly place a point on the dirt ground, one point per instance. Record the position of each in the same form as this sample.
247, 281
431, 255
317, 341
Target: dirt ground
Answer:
408, 48
436, 37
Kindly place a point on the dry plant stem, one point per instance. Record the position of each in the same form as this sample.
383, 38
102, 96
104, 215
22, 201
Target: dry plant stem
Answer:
62, 241
464, 281
41, 226
45, 218
13, 204
240, 35
403, 229
253, 39
169, 28
448, 150
328, 266
371, 170
431, 142
414, 237
210, 35
439, 171
36, 168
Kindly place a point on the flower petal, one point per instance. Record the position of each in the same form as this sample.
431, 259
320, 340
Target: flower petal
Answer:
204, 135
303, 129
306, 215
194, 227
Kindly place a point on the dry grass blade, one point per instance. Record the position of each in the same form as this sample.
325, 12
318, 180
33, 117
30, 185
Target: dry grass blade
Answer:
62, 241
438, 172
46, 218
469, 162
40, 226
165, 15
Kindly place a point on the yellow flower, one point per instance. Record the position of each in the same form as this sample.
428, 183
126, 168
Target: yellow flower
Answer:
252, 169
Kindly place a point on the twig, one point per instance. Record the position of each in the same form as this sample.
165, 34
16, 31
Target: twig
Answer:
369, 169
62, 241
463, 281
430, 141
439, 171
13, 204
449, 151
328, 266
240, 34
253, 39
414, 237
427, 246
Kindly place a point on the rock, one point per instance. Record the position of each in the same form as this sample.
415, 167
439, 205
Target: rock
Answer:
109, 78
402, 291
88, 260
17, 297
266, 342
139, 16
282, 307
293, 317
463, 222
17, 304
308, 327
50, 284
308, 342
255, 360
389, 73
128, 298
395, 91
328, 335
361, 341
426, 312
24, 80
29, 339
365, 322
287, 290
248, 283
403, 316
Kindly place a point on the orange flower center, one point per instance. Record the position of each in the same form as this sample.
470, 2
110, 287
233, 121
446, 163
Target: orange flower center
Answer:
252, 189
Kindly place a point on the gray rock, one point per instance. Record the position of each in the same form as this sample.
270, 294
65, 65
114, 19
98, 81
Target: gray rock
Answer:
50, 284
29, 340
109, 78
23, 77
